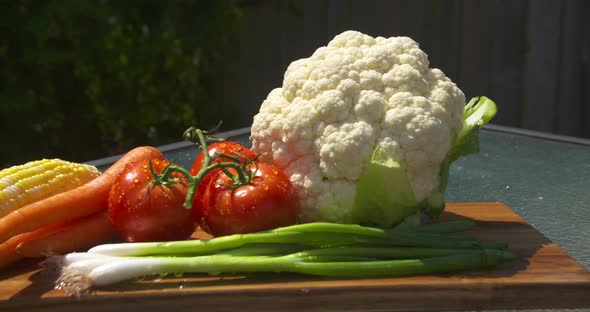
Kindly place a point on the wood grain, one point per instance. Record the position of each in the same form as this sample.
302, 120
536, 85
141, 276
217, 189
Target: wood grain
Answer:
544, 277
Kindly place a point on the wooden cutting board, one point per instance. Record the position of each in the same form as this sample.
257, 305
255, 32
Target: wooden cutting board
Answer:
544, 277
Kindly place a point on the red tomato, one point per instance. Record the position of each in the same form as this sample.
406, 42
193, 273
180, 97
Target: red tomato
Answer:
226, 147
268, 201
142, 213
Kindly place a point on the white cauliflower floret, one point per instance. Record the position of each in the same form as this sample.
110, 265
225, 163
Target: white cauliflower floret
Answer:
336, 106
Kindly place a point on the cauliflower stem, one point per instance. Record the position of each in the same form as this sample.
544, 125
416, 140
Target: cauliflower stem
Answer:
384, 195
376, 201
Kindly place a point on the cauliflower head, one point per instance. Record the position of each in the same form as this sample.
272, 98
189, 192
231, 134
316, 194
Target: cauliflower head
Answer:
355, 102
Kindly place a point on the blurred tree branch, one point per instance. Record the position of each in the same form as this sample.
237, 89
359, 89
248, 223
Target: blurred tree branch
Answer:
82, 79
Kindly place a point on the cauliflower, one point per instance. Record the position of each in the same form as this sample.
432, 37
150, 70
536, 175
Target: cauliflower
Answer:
365, 130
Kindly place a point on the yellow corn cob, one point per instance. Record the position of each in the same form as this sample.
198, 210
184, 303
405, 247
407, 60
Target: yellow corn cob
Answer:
36, 180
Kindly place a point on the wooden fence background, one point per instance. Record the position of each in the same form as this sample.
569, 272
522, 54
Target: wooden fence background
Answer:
532, 57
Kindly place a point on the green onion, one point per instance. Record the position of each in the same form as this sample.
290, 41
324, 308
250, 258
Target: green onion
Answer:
319, 234
207, 247
321, 249
382, 268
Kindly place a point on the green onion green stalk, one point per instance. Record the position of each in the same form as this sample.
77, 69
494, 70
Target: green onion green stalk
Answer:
319, 249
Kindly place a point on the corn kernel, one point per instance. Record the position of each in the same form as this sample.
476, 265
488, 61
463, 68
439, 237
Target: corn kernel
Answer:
24, 184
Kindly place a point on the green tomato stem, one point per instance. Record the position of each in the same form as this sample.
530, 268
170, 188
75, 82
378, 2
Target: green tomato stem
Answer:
194, 181
197, 136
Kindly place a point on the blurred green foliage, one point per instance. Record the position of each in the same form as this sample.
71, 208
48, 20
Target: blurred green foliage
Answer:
83, 79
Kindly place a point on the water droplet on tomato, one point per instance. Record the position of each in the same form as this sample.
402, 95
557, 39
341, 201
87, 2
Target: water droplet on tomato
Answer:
275, 171
265, 187
136, 180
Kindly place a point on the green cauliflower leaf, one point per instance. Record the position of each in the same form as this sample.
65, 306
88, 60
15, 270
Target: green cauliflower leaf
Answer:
384, 195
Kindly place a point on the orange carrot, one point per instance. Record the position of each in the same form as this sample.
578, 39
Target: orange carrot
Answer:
82, 201
8, 253
81, 234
